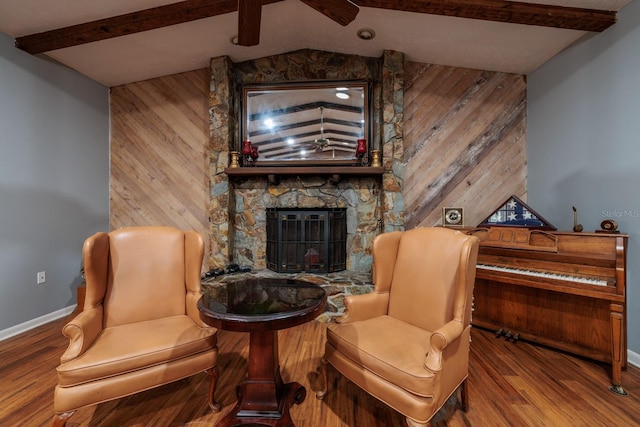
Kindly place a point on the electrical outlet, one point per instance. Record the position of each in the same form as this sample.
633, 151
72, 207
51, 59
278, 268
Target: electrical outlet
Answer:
42, 277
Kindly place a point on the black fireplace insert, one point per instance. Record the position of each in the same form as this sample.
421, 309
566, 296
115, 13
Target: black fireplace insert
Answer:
310, 240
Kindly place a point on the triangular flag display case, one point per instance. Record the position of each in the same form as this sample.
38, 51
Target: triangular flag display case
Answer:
515, 213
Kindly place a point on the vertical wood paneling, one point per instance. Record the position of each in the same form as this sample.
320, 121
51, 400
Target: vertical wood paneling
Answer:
159, 153
464, 142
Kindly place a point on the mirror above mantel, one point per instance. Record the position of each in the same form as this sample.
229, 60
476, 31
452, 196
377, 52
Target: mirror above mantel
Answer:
297, 124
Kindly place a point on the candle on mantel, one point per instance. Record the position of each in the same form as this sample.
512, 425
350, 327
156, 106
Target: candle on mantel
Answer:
254, 152
361, 149
246, 148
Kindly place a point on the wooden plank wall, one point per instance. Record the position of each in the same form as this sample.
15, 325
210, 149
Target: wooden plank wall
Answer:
159, 153
465, 142
464, 146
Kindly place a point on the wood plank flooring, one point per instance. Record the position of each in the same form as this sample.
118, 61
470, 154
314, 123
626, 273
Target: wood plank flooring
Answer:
510, 384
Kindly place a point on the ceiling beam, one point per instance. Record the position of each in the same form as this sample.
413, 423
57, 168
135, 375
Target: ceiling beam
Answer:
191, 10
129, 23
513, 12
249, 19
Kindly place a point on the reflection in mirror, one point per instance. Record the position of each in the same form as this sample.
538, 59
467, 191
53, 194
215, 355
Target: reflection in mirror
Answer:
307, 123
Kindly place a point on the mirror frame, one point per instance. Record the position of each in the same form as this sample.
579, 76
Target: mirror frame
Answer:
311, 108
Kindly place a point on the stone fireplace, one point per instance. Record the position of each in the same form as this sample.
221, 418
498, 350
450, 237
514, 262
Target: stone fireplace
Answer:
373, 204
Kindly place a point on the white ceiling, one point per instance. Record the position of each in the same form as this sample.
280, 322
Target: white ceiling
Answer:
287, 26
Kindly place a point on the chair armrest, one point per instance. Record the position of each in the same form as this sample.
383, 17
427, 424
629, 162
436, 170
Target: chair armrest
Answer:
82, 331
194, 253
440, 339
192, 309
364, 306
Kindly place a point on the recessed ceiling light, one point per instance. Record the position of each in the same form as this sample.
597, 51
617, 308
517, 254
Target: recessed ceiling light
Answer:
342, 95
366, 34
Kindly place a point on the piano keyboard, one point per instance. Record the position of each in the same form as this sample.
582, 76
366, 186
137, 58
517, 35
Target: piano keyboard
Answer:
544, 274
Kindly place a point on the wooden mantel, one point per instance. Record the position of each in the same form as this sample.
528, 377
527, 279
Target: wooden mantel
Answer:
273, 172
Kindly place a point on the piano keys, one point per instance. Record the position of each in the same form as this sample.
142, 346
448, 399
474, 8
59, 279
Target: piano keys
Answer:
564, 290
546, 275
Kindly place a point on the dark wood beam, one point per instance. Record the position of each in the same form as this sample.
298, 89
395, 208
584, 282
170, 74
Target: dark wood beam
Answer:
191, 10
249, 17
129, 23
505, 11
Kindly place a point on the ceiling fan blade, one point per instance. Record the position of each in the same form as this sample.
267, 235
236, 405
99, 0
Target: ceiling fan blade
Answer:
249, 15
341, 11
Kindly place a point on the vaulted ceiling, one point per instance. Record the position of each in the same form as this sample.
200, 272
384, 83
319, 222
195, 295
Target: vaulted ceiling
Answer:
120, 41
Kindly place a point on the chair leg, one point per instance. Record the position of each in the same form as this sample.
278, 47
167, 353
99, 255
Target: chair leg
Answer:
60, 420
323, 374
464, 396
213, 373
414, 423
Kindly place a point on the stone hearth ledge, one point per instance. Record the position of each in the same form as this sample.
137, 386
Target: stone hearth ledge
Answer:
336, 285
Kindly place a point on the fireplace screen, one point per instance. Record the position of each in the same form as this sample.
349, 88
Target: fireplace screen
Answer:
306, 240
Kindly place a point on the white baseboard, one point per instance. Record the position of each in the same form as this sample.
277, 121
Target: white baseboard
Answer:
633, 358
34, 323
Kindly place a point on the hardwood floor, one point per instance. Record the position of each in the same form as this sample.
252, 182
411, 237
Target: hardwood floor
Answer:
510, 384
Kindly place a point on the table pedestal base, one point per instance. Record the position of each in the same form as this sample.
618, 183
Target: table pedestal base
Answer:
240, 415
263, 399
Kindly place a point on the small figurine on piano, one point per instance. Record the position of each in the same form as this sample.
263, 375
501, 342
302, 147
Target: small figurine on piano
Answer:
576, 227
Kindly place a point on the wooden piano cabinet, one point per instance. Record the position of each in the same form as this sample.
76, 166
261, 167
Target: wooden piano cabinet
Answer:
585, 326
560, 289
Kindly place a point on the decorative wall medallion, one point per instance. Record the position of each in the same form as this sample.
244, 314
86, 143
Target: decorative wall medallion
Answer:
608, 226
453, 217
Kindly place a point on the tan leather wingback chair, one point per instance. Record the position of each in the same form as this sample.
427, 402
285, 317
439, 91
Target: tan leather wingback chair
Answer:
140, 327
407, 342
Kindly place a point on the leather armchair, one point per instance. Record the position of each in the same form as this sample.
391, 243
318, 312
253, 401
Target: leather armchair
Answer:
407, 342
140, 327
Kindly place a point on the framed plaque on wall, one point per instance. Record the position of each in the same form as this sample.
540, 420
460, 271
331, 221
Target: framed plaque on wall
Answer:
453, 217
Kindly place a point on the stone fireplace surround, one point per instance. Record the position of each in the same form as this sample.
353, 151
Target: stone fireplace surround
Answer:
238, 204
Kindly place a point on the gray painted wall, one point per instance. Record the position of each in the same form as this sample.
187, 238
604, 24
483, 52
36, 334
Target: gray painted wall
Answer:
583, 140
54, 180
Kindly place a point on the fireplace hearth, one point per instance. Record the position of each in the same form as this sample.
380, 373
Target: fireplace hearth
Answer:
309, 240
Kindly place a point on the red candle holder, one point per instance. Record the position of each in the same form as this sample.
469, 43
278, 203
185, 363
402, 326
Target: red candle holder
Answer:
246, 148
361, 149
254, 153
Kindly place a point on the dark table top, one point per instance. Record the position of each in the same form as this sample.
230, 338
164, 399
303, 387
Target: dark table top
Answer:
261, 304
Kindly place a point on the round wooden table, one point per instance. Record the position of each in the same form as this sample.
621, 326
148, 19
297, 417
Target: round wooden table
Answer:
262, 307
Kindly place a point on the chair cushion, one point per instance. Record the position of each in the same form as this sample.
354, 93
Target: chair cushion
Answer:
389, 348
127, 348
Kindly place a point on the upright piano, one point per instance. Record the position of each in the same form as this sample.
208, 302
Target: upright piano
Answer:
565, 290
